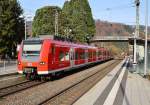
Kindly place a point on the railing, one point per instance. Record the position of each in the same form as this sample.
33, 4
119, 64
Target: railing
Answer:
112, 37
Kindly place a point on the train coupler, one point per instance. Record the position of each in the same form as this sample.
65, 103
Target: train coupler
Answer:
30, 73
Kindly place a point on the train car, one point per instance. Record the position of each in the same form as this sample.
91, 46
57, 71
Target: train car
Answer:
47, 57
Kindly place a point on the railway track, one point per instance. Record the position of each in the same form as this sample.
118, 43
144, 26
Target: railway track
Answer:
8, 75
69, 95
11, 80
18, 87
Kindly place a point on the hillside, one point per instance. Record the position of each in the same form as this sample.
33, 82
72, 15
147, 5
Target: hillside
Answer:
104, 28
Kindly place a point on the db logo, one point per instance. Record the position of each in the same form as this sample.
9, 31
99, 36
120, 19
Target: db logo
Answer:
29, 64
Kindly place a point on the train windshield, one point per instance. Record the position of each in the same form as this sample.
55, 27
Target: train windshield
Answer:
31, 49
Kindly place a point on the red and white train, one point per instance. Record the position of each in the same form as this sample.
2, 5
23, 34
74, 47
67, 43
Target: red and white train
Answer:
46, 57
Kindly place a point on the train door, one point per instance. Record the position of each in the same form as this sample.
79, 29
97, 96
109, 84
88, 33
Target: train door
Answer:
72, 61
52, 57
97, 51
86, 55
55, 56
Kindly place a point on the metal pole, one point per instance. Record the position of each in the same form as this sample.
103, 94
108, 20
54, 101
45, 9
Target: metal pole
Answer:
137, 18
56, 22
146, 32
25, 29
4, 65
134, 59
137, 3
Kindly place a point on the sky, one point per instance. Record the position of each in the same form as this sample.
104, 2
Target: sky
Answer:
120, 11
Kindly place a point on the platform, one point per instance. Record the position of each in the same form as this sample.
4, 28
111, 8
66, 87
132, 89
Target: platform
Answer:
8, 70
119, 87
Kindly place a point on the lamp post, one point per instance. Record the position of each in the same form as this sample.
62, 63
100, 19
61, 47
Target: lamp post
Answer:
25, 24
137, 3
146, 33
25, 29
135, 50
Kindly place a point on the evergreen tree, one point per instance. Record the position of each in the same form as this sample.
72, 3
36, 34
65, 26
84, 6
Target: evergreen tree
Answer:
44, 21
75, 20
68, 27
11, 27
80, 19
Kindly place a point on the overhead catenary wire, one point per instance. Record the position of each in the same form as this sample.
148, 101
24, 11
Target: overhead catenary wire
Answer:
119, 7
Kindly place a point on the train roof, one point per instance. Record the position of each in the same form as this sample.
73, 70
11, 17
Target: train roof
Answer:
40, 40
72, 44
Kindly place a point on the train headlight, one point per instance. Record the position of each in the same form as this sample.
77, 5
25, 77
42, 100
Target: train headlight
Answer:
42, 63
19, 62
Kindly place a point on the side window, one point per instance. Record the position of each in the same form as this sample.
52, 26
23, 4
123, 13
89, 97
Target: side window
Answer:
104, 52
86, 54
67, 56
82, 55
99, 53
76, 55
61, 56
90, 54
94, 54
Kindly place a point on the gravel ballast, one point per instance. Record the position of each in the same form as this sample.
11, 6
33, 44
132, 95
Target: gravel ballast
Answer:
35, 95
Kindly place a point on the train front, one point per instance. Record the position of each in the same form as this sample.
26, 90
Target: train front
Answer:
29, 58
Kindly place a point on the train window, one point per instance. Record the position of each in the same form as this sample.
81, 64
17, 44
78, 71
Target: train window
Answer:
104, 52
86, 55
67, 56
90, 54
99, 53
61, 56
82, 55
76, 56
94, 54
31, 49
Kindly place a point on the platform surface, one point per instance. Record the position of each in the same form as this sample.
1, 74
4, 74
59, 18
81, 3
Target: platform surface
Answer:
8, 70
119, 87
137, 91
